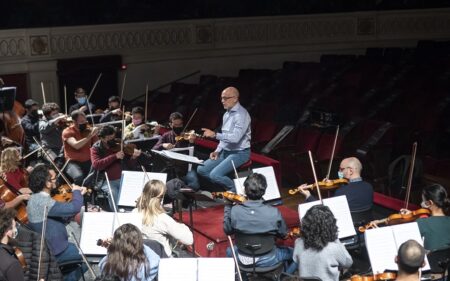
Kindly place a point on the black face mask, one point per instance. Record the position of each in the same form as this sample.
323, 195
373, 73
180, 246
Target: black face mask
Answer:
34, 113
111, 143
82, 127
177, 130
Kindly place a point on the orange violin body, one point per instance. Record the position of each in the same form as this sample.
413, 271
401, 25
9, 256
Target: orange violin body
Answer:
233, 197
7, 195
323, 185
380, 276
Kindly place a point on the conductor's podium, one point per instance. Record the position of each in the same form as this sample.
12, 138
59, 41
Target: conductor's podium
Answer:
209, 238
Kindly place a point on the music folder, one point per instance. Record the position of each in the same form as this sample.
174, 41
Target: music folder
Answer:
196, 269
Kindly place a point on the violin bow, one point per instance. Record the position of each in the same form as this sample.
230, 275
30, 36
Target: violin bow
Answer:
77, 244
146, 102
44, 228
122, 91
43, 92
53, 163
65, 99
234, 257
315, 176
31, 153
93, 88
190, 119
411, 174
123, 129
237, 176
113, 202
332, 153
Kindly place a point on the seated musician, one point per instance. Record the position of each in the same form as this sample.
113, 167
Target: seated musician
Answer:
15, 202
128, 257
42, 183
410, 258
319, 253
30, 124
11, 127
51, 128
12, 173
435, 229
10, 267
254, 217
77, 140
107, 158
156, 224
82, 102
113, 112
359, 193
138, 128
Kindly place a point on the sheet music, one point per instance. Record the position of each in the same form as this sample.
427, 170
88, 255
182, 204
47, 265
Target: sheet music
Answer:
181, 269
217, 269
272, 191
339, 207
179, 156
239, 184
189, 149
132, 183
157, 137
101, 225
383, 243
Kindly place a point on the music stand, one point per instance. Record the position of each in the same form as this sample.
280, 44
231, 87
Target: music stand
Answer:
7, 97
173, 160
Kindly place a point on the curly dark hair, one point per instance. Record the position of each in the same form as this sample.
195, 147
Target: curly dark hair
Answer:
47, 108
106, 131
319, 227
39, 177
138, 110
6, 218
255, 186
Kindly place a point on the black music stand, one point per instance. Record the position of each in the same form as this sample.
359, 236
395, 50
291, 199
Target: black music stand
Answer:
7, 97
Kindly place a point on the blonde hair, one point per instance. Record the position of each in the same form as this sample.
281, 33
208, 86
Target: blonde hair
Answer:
149, 203
10, 160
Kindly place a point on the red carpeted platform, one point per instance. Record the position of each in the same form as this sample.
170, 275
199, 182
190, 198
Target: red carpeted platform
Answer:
209, 238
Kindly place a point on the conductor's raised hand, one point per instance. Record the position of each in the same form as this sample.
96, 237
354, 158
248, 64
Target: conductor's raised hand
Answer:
207, 133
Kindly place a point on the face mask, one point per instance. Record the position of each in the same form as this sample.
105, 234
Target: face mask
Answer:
111, 143
136, 122
34, 113
82, 127
177, 130
425, 205
340, 175
81, 100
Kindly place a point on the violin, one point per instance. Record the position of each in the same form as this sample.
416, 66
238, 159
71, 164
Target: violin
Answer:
128, 148
104, 242
233, 197
63, 193
295, 232
380, 276
397, 219
324, 185
7, 195
187, 135
19, 255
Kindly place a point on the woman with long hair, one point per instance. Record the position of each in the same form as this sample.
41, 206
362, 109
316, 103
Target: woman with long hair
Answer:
128, 258
318, 252
156, 224
12, 173
435, 229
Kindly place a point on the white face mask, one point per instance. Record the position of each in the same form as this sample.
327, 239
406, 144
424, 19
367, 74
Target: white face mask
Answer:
340, 175
425, 204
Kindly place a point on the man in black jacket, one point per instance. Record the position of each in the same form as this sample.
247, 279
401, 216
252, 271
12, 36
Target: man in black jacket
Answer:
10, 268
30, 124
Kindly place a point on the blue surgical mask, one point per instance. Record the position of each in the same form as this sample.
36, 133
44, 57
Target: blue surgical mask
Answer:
340, 175
424, 204
81, 100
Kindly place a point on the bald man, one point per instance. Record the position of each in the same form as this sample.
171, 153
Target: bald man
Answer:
359, 193
410, 258
234, 141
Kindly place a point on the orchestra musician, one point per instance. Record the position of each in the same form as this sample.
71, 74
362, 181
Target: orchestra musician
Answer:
11, 127
113, 112
10, 267
106, 158
234, 141
254, 217
156, 224
138, 128
82, 102
359, 193
51, 128
410, 258
42, 182
128, 257
12, 173
77, 140
319, 253
30, 124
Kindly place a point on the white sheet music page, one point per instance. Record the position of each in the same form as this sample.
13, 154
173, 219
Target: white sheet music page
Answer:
341, 211
181, 269
132, 183
217, 269
101, 225
382, 249
179, 156
239, 184
272, 191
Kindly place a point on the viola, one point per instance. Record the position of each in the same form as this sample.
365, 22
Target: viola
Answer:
380, 276
295, 232
233, 197
323, 185
397, 219
187, 135
7, 195
63, 193
19, 255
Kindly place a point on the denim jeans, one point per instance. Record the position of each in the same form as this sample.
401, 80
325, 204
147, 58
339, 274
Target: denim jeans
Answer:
71, 253
217, 170
115, 188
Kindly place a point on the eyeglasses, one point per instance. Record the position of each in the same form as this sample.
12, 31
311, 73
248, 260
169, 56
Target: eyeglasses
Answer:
342, 169
227, 98
52, 179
